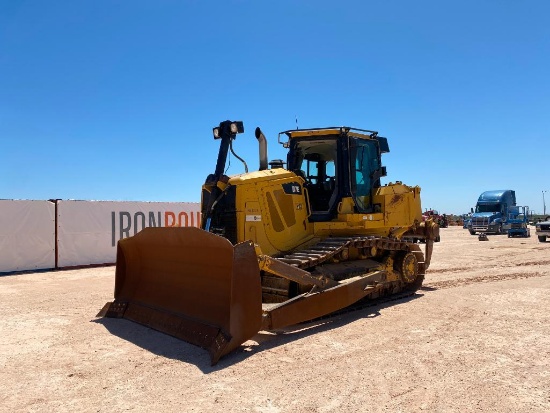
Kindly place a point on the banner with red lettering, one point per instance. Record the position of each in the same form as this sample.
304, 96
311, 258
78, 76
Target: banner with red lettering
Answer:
27, 235
88, 231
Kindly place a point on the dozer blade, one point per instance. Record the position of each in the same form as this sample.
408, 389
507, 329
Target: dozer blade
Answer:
190, 284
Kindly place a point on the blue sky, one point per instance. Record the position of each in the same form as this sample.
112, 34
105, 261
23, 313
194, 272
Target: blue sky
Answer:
116, 100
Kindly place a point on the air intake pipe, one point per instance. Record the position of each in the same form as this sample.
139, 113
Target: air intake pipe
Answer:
263, 148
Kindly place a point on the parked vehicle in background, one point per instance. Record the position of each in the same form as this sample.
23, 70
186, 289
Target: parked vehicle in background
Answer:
466, 220
543, 229
518, 218
491, 212
439, 219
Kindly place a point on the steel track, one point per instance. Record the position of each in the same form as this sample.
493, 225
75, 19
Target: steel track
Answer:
330, 250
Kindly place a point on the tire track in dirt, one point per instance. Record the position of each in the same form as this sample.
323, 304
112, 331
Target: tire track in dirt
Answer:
444, 270
502, 264
439, 285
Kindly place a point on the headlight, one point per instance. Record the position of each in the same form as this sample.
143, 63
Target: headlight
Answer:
234, 128
237, 127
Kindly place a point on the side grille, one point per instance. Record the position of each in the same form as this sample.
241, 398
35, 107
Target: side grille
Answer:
224, 219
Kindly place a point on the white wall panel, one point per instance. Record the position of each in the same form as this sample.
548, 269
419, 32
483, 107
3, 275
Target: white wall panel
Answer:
88, 231
27, 235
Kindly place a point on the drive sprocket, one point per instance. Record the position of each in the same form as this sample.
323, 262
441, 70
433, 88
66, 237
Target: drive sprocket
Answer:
406, 264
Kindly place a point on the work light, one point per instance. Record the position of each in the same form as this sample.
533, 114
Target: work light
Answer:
237, 127
234, 128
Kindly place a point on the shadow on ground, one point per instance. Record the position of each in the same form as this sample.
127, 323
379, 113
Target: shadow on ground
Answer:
166, 346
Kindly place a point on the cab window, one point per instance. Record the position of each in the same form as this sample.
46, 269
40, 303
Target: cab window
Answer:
364, 162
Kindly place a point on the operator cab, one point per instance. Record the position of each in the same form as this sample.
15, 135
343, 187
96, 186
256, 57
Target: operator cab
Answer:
336, 163
315, 161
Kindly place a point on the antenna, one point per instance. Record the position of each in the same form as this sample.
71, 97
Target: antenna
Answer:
296, 117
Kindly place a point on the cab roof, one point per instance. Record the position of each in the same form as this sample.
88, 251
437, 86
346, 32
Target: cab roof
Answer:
331, 130
344, 131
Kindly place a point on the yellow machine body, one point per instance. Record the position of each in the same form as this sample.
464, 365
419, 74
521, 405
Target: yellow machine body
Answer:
278, 221
277, 246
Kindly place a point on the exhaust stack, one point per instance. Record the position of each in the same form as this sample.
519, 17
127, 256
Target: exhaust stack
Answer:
263, 148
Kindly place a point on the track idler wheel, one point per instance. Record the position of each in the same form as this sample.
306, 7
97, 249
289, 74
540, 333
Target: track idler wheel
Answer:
406, 264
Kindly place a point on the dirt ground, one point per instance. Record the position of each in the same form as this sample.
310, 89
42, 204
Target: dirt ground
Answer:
475, 338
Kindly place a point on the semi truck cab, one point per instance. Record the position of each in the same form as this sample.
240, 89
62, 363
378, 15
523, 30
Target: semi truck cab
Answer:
491, 212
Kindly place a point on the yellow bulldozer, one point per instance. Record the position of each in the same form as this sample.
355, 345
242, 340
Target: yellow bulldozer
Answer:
289, 243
